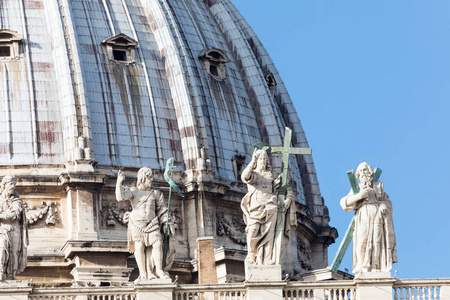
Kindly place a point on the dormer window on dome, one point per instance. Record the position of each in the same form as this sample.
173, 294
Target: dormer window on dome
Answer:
214, 63
270, 80
120, 48
9, 44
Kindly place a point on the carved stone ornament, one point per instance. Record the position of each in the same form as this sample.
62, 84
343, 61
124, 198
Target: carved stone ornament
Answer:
47, 211
214, 63
304, 255
235, 229
112, 214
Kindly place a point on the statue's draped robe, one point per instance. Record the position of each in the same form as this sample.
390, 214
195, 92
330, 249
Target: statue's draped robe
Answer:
259, 206
14, 234
374, 244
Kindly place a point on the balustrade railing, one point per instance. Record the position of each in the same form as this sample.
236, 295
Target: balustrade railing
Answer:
420, 289
409, 289
219, 292
52, 297
298, 294
328, 290
94, 293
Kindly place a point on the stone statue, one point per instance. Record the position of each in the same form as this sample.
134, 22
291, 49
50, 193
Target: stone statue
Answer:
374, 245
13, 230
260, 208
145, 223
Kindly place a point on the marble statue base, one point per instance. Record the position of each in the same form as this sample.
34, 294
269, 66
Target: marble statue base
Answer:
14, 289
13, 283
257, 273
324, 274
159, 281
154, 289
373, 275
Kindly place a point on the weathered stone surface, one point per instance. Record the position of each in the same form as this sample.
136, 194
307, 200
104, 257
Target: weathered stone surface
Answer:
258, 273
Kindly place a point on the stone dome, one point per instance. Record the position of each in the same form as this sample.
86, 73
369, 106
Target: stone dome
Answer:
89, 87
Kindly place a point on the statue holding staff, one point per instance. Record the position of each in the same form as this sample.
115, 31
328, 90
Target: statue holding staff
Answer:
145, 223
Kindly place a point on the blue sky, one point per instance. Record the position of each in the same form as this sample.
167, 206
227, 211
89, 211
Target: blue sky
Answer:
371, 82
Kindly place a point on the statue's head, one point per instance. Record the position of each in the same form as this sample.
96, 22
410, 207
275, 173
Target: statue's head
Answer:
144, 178
8, 185
262, 160
364, 172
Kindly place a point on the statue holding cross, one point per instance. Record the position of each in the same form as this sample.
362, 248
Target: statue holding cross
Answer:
268, 202
374, 244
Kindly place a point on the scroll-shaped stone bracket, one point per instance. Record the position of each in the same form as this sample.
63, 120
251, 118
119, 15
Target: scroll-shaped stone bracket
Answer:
47, 211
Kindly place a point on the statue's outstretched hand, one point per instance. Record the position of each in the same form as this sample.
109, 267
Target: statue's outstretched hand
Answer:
126, 217
120, 176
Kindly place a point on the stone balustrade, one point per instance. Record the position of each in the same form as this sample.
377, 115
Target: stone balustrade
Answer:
391, 288
336, 289
422, 289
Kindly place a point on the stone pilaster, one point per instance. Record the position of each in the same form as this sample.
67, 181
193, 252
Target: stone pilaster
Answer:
83, 190
206, 264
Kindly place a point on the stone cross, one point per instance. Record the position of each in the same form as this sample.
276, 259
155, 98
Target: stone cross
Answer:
286, 150
349, 233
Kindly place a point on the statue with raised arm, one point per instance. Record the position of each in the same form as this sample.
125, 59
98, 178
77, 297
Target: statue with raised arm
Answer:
260, 207
374, 244
13, 231
145, 222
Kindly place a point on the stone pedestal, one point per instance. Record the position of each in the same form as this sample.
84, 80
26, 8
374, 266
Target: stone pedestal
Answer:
325, 274
94, 264
83, 193
373, 275
264, 282
445, 292
370, 287
258, 273
155, 289
265, 290
230, 265
14, 289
